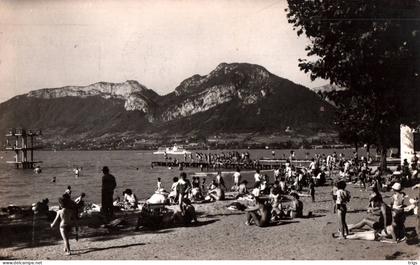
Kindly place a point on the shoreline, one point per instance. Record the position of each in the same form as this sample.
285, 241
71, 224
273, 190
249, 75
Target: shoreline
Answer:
222, 234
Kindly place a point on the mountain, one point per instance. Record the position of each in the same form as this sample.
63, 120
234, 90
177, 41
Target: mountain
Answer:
231, 99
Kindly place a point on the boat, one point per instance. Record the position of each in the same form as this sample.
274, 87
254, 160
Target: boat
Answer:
174, 150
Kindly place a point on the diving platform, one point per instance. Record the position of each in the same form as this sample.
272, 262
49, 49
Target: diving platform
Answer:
22, 142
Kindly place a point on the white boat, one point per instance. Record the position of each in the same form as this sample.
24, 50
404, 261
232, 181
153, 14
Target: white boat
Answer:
175, 150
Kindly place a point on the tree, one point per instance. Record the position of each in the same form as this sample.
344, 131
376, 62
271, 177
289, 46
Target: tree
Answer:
370, 48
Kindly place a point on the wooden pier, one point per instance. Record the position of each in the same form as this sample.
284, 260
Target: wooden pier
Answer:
261, 164
22, 142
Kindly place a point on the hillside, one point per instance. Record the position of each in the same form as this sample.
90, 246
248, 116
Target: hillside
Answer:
233, 98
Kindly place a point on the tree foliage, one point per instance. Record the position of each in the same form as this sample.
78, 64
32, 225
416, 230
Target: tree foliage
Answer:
370, 48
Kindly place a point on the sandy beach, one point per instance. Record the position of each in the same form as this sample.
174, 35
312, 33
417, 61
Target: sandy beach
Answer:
221, 234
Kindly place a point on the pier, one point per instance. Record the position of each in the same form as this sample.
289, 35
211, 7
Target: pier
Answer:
22, 142
262, 164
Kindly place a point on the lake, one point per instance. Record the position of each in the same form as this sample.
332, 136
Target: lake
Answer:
131, 169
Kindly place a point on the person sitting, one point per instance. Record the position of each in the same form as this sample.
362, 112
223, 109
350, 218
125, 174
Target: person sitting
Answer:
196, 193
259, 215
41, 208
173, 195
264, 187
379, 220
384, 235
296, 208
392, 231
242, 189
80, 201
375, 199
211, 185
188, 216
118, 203
283, 185
397, 174
130, 199
256, 191
215, 194
158, 198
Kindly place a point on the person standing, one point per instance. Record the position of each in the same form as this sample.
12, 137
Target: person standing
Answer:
67, 219
108, 186
236, 179
257, 176
183, 189
220, 181
312, 189
343, 197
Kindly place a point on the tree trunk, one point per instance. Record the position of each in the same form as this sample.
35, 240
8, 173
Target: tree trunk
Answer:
383, 158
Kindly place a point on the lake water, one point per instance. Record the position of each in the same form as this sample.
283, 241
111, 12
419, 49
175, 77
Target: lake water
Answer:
131, 169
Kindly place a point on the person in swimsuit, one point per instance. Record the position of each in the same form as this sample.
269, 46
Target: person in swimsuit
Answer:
343, 197
67, 219
183, 189
130, 199
260, 215
380, 219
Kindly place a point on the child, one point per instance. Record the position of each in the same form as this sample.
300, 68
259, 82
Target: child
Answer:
343, 197
159, 184
259, 215
242, 189
66, 215
296, 209
173, 195
312, 189
275, 199
236, 179
398, 197
130, 199
397, 205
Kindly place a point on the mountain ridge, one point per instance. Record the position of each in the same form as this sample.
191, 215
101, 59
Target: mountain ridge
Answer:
236, 97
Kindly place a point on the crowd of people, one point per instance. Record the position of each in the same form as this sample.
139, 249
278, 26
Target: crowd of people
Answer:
274, 196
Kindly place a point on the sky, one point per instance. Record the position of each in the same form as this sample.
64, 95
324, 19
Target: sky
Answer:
159, 43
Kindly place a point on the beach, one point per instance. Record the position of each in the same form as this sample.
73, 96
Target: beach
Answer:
222, 235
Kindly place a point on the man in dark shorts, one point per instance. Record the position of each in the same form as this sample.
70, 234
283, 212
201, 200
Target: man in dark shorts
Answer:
108, 186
